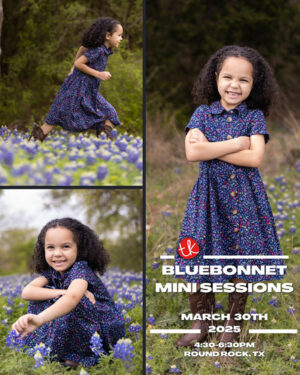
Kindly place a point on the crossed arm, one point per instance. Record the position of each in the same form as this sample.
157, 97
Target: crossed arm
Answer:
242, 151
35, 291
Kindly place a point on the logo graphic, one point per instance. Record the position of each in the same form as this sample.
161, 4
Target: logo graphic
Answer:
188, 248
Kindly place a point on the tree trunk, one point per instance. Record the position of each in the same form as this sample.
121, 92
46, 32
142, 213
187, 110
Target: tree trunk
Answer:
1, 21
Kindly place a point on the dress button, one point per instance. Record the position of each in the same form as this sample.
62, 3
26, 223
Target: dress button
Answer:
236, 230
229, 119
233, 193
235, 212
232, 176
229, 136
237, 247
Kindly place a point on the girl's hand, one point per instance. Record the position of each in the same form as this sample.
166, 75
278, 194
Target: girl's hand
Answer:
90, 297
104, 76
27, 323
196, 136
243, 143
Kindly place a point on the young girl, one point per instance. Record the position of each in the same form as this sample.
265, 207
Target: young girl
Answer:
78, 105
69, 302
228, 212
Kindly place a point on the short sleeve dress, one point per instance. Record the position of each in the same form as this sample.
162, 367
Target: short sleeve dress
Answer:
228, 212
69, 336
78, 105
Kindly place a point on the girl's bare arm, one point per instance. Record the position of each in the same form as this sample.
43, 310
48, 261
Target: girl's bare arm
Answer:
79, 53
203, 150
30, 322
35, 290
81, 64
248, 158
252, 157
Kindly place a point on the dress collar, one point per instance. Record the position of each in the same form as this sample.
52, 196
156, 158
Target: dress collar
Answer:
107, 51
216, 108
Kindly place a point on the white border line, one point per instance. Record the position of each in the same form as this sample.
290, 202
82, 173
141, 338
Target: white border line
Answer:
167, 257
163, 331
273, 331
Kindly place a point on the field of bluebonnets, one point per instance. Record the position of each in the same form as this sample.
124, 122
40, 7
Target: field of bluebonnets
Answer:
167, 194
68, 159
125, 357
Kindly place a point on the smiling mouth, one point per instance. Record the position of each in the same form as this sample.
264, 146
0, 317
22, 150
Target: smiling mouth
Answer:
59, 263
233, 93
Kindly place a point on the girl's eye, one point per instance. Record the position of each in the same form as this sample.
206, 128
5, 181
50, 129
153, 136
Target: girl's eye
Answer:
244, 80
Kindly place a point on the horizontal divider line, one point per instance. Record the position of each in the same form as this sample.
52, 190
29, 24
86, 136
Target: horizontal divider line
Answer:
175, 330
273, 331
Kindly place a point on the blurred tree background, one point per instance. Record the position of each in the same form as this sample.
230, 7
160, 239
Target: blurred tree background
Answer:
116, 215
182, 35
39, 41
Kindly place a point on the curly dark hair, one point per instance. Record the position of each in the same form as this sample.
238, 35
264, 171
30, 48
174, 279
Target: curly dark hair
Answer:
264, 90
94, 36
89, 247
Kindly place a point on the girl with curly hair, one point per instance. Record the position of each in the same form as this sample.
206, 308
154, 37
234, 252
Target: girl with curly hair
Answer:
228, 215
78, 105
68, 301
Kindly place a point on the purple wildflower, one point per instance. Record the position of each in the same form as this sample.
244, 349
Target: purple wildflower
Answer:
151, 320
102, 172
14, 341
273, 301
291, 310
174, 370
155, 265
216, 364
123, 350
96, 344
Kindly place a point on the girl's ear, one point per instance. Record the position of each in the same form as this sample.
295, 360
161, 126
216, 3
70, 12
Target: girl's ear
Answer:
107, 36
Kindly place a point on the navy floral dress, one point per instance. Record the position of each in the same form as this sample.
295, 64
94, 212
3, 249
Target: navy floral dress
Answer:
228, 212
78, 105
69, 336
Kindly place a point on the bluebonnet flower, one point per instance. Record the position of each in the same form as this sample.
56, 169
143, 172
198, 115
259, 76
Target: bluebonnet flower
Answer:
216, 364
148, 356
292, 229
219, 306
164, 337
4, 322
39, 359
174, 370
102, 172
291, 310
170, 251
114, 133
177, 170
151, 320
148, 369
123, 350
293, 358
295, 250
14, 340
41, 348
166, 213
96, 344
135, 327
155, 265
273, 301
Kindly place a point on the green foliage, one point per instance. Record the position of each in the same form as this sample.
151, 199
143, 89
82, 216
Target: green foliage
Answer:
39, 42
16, 250
182, 35
124, 90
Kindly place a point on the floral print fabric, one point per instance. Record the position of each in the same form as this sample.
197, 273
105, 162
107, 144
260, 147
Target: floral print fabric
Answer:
228, 212
78, 104
69, 336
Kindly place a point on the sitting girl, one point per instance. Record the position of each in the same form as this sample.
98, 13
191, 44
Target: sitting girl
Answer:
69, 302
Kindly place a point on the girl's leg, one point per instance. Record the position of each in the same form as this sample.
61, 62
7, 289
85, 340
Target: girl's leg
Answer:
109, 123
40, 133
46, 128
200, 303
236, 305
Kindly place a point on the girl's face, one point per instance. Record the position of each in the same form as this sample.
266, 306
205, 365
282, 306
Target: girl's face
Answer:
234, 81
60, 249
113, 40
